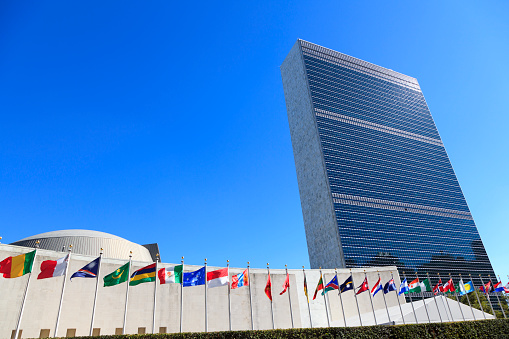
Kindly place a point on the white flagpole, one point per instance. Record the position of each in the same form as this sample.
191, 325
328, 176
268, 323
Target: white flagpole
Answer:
95, 294
370, 298
229, 297
127, 291
155, 298
434, 297
206, 288
355, 295
340, 297
496, 295
466, 294
271, 308
325, 299
250, 296
423, 301
383, 290
499, 299
289, 297
399, 303
487, 296
457, 300
182, 295
63, 290
24, 297
411, 302
479, 301
307, 297
446, 301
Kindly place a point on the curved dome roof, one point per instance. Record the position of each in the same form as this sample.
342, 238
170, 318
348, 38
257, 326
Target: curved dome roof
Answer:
89, 242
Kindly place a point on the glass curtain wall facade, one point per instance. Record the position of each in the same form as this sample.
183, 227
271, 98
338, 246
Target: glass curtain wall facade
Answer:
395, 197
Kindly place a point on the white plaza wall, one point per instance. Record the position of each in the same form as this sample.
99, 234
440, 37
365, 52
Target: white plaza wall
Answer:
43, 298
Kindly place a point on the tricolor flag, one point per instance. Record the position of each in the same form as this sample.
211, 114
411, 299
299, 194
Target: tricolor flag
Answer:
318, 287
364, 286
13, 267
306, 288
347, 285
286, 284
377, 287
143, 275
90, 270
414, 286
218, 278
425, 286
195, 278
332, 285
53, 268
390, 286
403, 288
170, 275
239, 280
268, 288
461, 287
498, 287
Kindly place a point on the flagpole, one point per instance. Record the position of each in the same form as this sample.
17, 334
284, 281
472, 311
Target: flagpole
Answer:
399, 303
24, 297
340, 297
155, 298
487, 296
446, 301
95, 294
456, 295
422, 295
370, 298
127, 290
289, 297
325, 299
307, 297
468, 299
271, 308
63, 290
229, 297
411, 302
496, 295
499, 299
206, 320
250, 296
355, 295
385, 302
479, 301
182, 295
434, 297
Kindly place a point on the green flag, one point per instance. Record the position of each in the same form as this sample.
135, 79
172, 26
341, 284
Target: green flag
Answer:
426, 286
119, 276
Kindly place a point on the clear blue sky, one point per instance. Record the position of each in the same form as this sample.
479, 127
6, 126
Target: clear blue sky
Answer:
164, 121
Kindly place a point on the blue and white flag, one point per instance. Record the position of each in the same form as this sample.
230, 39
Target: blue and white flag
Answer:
403, 288
390, 286
88, 271
195, 278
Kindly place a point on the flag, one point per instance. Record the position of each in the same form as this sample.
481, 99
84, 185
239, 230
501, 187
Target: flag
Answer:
469, 287
53, 268
13, 267
414, 286
486, 288
438, 287
403, 288
239, 280
364, 286
390, 286
425, 286
506, 288
119, 276
461, 287
268, 288
332, 285
498, 287
143, 275
347, 285
377, 287
318, 287
195, 278
170, 275
306, 288
286, 285
449, 287
218, 278
90, 270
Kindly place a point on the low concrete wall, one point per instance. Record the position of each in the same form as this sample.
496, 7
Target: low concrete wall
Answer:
44, 295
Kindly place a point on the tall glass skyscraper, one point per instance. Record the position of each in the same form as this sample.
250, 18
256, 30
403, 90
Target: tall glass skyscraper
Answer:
376, 185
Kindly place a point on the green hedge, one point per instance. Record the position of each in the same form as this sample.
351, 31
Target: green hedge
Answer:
498, 328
